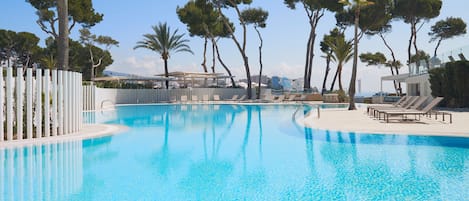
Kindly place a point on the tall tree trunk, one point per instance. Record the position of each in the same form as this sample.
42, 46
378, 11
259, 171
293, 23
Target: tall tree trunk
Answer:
351, 90
62, 43
437, 46
335, 79
414, 30
92, 72
214, 42
306, 84
313, 17
409, 46
92, 63
328, 63
166, 73
397, 85
311, 56
215, 50
241, 49
213, 58
260, 61
204, 62
339, 69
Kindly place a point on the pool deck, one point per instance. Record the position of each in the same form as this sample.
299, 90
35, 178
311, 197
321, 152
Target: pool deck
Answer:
358, 121
88, 131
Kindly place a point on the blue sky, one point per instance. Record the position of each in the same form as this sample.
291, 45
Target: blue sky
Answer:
284, 39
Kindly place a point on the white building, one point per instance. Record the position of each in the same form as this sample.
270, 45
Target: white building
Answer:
417, 80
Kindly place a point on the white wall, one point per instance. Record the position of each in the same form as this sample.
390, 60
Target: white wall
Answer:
423, 83
105, 96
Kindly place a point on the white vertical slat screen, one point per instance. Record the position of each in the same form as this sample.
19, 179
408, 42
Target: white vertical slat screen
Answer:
29, 103
19, 103
54, 103
9, 108
42, 103
38, 110
46, 103
60, 93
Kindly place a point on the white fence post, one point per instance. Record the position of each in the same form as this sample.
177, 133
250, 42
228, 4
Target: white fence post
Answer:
73, 102
54, 103
9, 109
60, 101
80, 110
29, 103
66, 105
38, 115
19, 103
46, 103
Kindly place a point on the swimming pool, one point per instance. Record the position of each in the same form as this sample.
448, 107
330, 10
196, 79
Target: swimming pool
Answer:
235, 152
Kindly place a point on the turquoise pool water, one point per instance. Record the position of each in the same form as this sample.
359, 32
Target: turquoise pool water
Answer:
234, 152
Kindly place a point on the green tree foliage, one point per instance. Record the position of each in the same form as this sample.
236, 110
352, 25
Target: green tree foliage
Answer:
373, 59
451, 83
414, 12
79, 57
202, 19
90, 40
446, 29
81, 12
27, 48
315, 10
420, 56
199, 16
22, 47
164, 42
342, 52
258, 18
378, 59
48, 61
7, 45
375, 19
326, 49
62, 11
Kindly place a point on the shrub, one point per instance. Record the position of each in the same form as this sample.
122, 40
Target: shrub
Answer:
451, 82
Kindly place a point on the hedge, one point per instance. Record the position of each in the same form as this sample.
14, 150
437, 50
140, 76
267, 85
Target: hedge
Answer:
451, 82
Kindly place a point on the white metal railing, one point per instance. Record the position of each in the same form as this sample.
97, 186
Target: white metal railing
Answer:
46, 104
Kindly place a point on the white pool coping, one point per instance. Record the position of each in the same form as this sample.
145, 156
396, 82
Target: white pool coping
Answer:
358, 121
88, 131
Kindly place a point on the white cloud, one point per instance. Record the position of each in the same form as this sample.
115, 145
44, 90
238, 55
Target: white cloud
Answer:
145, 65
284, 70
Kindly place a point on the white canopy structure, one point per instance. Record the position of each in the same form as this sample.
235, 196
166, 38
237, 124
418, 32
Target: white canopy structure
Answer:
197, 78
398, 78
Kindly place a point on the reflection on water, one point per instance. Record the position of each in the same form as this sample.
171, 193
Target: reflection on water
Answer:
229, 152
49, 172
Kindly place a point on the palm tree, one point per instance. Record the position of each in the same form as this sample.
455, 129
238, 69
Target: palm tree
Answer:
163, 41
341, 54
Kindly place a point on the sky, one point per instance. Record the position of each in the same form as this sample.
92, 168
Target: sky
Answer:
285, 39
